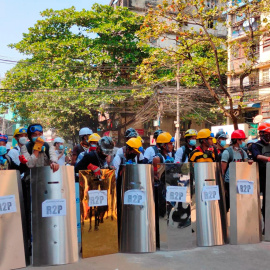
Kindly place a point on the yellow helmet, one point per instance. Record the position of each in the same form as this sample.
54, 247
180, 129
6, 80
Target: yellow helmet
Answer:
94, 137
204, 134
191, 133
140, 138
165, 137
136, 144
20, 130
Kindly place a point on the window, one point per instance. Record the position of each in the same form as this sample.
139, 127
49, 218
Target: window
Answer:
266, 75
211, 3
266, 44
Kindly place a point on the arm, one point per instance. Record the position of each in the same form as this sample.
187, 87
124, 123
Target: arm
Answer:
156, 161
116, 164
223, 167
178, 155
32, 159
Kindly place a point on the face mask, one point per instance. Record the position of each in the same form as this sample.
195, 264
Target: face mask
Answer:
61, 147
192, 142
23, 140
222, 143
242, 145
3, 150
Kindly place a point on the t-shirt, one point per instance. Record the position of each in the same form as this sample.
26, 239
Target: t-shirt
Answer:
150, 153
197, 155
237, 157
179, 155
61, 161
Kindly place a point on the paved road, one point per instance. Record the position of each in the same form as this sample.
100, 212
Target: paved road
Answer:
228, 257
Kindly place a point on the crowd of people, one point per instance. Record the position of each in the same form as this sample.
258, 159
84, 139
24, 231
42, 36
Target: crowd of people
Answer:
95, 153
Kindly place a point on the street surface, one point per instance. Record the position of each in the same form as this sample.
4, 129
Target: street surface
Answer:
227, 257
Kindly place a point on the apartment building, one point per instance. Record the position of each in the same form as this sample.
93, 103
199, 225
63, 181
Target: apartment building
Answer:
257, 84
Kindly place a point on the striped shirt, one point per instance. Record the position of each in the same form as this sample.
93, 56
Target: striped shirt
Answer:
197, 155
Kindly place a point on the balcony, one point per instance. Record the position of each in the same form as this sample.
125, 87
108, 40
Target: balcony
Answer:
240, 29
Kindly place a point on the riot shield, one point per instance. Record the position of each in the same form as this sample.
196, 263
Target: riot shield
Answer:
54, 227
211, 221
98, 213
175, 226
137, 228
13, 240
245, 213
78, 212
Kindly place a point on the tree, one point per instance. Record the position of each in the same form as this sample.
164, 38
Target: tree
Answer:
200, 50
77, 61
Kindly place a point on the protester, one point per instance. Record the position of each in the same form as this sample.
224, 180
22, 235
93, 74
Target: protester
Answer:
234, 153
60, 151
203, 153
221, 138
182, 153
84, 134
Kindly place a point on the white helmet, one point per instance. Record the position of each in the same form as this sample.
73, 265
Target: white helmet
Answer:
85, 131
58, 140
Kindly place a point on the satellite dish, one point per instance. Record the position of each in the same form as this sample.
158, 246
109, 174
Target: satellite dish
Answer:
257, 119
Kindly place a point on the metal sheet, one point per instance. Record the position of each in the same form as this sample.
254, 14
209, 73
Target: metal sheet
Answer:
13, 243
138, 221
211, 223
54, 237
98, 223
78, 212
245, 213
267, 204
178, 232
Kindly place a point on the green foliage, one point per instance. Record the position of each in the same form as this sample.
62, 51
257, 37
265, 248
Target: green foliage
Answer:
76, 61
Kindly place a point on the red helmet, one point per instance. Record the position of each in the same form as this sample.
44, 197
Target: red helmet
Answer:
238, 134
263, 126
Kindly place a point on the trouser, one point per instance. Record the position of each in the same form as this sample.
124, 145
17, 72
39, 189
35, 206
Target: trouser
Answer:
27, 207
227, 195
262, 189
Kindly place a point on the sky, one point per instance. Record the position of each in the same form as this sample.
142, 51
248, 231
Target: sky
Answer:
16, 16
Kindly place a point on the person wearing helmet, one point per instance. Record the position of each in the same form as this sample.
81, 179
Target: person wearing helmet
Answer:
182, 153
165, 144
261, 153
130, 133
20, 135
96, 160
84, 134
37, 152
60, 151
203, 152
93, 140
130, 156
221, 138
234, 153
152, 151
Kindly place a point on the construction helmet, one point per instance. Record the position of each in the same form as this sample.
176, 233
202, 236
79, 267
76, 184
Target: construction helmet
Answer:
140, 138
205, 134
3, 138
221, 134
157, 132
135, 144
85, 131
58, 140
131, 133
106, 145
264, 126
191, 133
20, 130
94, 138
165, 137
238, 134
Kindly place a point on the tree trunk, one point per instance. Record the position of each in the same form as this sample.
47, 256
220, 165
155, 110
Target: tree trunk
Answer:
235, 122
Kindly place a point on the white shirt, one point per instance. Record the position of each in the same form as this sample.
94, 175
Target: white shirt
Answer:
61, 161
149, 154
179, 154
14, 153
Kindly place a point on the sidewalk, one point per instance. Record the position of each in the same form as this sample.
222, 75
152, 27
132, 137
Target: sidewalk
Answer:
244, 257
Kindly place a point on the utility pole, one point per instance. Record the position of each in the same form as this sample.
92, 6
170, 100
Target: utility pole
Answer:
177, 125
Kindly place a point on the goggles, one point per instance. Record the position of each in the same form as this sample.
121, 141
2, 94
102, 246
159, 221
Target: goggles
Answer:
36, 128
3, 138
212, 136
140, 149
172, 140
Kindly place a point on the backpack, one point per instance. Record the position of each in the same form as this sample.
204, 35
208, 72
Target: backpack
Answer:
230, 150
265, 149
